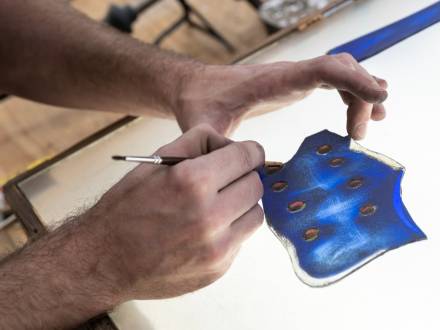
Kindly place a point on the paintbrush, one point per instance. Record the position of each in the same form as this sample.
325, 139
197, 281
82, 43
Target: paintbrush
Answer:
154, 159
158, 160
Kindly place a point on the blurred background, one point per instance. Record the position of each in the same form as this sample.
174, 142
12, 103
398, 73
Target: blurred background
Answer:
31, 132
211, 31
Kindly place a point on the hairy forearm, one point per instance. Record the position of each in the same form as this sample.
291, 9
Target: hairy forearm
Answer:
51, 53
59, 281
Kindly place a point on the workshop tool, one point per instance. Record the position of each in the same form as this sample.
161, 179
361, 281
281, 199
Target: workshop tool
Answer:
158, 160
123, 17
154, 159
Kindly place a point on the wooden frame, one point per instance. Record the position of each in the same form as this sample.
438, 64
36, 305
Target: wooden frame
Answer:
24, 209
18, 201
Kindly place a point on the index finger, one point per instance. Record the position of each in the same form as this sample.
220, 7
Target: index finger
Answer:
227, 164
199, 140
349, 76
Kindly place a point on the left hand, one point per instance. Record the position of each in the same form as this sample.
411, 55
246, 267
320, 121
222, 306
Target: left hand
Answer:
223, 95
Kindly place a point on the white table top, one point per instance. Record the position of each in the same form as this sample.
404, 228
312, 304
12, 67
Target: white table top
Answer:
399, 290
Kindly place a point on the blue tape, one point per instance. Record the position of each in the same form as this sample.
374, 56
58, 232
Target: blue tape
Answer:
381, 39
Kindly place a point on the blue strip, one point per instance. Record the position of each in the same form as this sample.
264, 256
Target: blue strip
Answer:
381, 39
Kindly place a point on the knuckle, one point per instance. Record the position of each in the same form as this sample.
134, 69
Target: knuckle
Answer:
260, 150
320, 59
323, 60
165, 149
244, 157
186, 180
253, 221
212, 277
345, 57
212, 256
204, 223
198, 194
176, 175
224, 266
201, 230
323, 67
254, 186
247, 153
214, 220
258, 185
205, 128
259, 216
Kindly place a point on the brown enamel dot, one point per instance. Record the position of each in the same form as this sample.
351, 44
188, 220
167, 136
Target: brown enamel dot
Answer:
311, 234
279, 186
368, 209
272, 167
336, 162
324, 149
296, 206
355, 183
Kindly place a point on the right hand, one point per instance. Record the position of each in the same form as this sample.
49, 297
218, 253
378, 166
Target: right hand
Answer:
173, 230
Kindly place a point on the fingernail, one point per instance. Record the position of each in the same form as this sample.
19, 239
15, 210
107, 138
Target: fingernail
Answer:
382, 95
382, 82
376, 84
360, 131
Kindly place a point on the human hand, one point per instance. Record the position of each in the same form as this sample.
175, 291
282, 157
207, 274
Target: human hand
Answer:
173, 230
223, 95
160, 232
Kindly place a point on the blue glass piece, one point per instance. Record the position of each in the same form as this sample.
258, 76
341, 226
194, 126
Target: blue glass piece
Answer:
335, 206
381, 39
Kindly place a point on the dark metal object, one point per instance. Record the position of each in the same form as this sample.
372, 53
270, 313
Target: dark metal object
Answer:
123, 17
283, 13
257, 4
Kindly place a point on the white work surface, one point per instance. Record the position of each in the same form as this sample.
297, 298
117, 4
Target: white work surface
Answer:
400, 290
